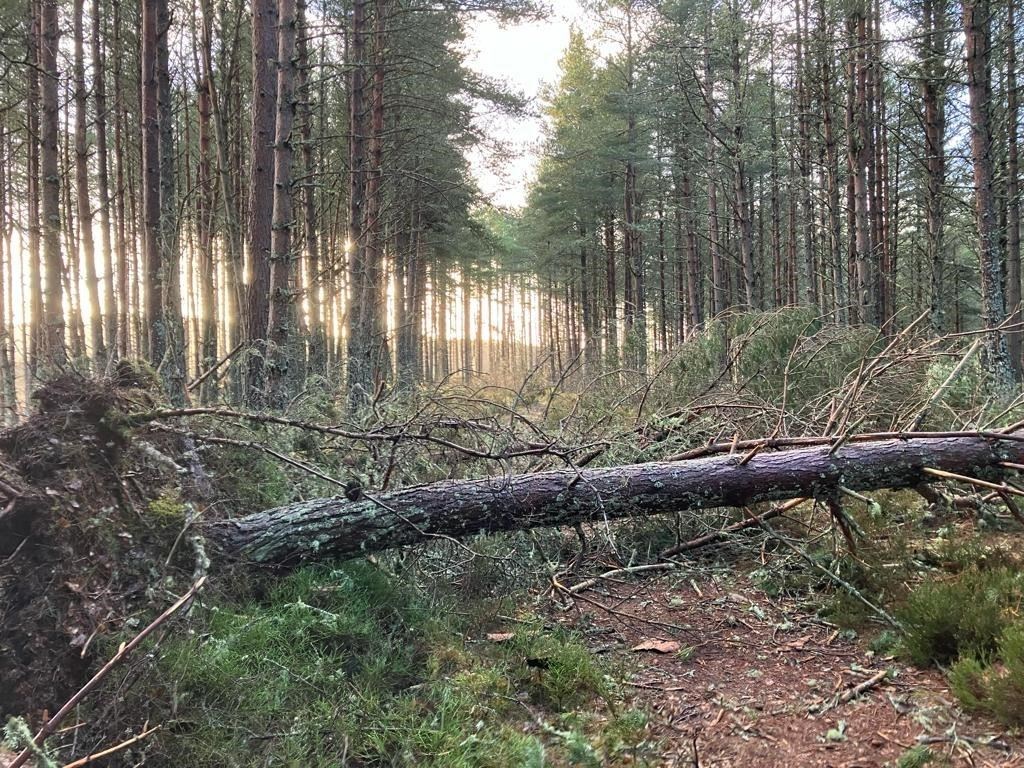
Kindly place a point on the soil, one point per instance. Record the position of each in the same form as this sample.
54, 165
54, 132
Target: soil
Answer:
760, 681
76, 547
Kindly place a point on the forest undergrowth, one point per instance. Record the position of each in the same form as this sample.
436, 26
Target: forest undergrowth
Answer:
460, 652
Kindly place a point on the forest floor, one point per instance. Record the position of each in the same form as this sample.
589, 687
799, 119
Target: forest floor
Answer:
744, 679
726, 664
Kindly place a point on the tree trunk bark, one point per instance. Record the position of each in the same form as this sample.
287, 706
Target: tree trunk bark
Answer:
261, 188
718, 295
860, 159
205, 218
933, 97
1014, 338
329, 528
156, 343
55, 352
99, 67
977, 23
85, 221
172, 365
363, 293
317, 363
34, 255
280, 323
744, 225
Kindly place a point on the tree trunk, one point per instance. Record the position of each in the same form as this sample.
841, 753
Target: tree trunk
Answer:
694, 277
833, 229
233, 261
810, 273
153, 299
172, 364
311, 236
34, 255
741, 206
205, 203
261, 187
121, 176
1013, 277
54, 352
718, 295
977, 22
88, 254
281, 317
933, 97
611, 337
103, 180
363, 292
8, 379
327, 528
860, 154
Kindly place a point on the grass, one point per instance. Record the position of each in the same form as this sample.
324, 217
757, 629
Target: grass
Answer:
350, 666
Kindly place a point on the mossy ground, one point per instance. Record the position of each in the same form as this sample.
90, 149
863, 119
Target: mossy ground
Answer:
349, 666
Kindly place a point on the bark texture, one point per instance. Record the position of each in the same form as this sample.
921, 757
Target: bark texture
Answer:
319, 529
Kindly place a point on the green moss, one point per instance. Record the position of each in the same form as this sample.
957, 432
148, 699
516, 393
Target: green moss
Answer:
167, 509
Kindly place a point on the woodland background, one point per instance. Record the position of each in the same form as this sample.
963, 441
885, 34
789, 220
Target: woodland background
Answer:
270, 192
258, 321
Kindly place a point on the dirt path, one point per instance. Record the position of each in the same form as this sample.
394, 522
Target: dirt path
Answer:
757, 682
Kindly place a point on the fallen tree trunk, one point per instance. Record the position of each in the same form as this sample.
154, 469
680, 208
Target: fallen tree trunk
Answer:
338, 528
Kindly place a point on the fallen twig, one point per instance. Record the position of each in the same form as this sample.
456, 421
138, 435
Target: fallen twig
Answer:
944, 387
559, 587
213, 368
588, 583
851, 693
750, 522
1000, 488
112, 750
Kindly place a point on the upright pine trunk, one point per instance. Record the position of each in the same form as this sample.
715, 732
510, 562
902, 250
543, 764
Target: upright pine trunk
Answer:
32, 162
99, 74
741, 203
1013, 276
54, 352
205, 258
281, 318
363, 290
859, 157
718, 293
933, 98
172, 364
977, 21
261, 188
85, 222
311, 235
152, 285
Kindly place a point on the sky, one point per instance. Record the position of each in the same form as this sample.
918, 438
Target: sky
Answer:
526, 57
